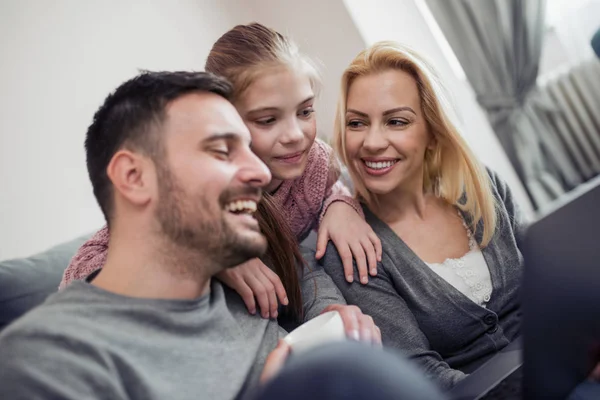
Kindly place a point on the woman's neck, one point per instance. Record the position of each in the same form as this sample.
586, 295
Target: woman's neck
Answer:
408, 199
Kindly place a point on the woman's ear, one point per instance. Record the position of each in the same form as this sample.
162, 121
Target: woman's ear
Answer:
432, 144
132, 176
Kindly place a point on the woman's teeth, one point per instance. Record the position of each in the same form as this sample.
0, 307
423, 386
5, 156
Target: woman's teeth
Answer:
380, 164
239, 206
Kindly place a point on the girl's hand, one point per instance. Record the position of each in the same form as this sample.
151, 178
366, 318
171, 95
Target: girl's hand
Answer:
254, 280
353, 238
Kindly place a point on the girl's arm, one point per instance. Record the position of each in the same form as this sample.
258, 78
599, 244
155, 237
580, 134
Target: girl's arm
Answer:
90, 257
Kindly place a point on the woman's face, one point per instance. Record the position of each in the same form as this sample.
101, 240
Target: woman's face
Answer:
386, 133
278, 110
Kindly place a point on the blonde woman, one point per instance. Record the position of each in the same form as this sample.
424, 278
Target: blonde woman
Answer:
446, 290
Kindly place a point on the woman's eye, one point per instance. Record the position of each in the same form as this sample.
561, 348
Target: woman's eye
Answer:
265, 121
355, 124
397, 122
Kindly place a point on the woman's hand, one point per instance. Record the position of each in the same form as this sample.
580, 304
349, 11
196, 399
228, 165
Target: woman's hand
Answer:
352, 237
358, 326
253, 280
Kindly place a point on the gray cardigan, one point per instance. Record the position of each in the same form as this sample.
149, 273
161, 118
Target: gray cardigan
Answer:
426, 317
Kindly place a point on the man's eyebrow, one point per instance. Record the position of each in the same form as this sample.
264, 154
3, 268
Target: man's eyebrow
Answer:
229, 136
221, 136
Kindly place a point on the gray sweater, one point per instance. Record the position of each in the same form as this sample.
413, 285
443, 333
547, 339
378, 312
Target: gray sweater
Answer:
87, 343
426, 317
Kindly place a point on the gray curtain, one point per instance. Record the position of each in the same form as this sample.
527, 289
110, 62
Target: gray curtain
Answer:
498, 44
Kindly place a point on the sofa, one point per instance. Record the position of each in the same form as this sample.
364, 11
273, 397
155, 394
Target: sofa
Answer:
26, 282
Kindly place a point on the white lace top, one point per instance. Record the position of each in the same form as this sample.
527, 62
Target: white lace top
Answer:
469, 274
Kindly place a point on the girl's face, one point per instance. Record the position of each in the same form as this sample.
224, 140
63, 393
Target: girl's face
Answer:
278, 110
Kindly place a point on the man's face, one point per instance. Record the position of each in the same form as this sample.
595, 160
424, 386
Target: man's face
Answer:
210, 181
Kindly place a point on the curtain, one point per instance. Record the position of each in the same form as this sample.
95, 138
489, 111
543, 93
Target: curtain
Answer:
498, 43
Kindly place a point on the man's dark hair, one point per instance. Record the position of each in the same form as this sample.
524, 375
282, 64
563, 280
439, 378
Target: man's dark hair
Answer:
131, 117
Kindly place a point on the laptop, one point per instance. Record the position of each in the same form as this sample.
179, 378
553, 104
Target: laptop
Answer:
561, 307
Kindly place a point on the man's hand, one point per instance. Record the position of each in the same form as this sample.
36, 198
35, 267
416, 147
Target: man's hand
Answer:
275, 361
254, 280
358, 325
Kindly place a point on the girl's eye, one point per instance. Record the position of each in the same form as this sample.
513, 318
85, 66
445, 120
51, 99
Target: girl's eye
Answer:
265, 121
307, 112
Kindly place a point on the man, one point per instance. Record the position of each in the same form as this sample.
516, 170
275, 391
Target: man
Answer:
167, 156
172, 170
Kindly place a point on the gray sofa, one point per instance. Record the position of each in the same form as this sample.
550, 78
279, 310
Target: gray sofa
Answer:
26, 282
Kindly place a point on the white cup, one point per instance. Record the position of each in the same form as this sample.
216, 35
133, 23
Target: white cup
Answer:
327, 327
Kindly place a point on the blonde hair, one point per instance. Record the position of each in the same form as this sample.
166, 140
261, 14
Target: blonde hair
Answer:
451, 172
247, 51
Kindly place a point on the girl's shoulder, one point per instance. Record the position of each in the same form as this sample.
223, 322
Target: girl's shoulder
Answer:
322, 165
320, 152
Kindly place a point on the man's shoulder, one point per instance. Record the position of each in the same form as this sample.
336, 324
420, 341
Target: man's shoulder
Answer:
60, 318
52, 352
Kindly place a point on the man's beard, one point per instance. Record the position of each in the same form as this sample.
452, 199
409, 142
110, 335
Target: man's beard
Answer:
195, 225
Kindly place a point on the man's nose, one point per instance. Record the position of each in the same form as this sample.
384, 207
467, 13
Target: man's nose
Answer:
255, 171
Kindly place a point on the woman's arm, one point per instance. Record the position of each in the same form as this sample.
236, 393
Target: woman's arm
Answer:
517, 218
399, 327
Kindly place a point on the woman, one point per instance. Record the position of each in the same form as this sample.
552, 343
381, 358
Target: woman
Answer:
446, 291
274, 92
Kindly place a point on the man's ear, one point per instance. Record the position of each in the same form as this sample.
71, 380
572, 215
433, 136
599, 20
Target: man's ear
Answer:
132, 176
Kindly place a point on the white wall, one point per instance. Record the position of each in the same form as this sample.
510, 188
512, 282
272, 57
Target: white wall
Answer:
574, 22
59, 60
402, 21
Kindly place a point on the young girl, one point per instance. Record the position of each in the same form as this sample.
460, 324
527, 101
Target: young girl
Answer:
275, 88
